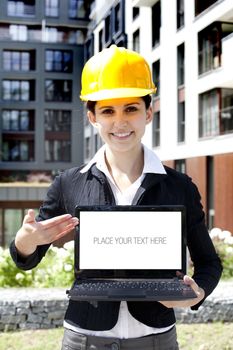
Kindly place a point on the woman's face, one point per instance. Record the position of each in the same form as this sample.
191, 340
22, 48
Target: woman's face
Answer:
121, 122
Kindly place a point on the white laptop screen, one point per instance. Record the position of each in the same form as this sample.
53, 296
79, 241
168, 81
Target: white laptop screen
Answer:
125, 240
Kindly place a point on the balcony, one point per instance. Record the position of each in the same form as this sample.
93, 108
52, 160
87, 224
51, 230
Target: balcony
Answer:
39, 34
221, 73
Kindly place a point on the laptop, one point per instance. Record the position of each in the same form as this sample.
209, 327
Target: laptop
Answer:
130, 253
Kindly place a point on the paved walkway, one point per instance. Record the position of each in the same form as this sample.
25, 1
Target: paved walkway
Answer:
223, 293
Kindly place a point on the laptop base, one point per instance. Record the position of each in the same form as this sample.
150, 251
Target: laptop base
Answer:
136, 290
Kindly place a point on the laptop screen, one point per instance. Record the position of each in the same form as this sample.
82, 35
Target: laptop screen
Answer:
131, 238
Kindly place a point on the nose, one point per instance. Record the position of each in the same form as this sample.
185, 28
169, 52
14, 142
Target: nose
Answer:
120, 119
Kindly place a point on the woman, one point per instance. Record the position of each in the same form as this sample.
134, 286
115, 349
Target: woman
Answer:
116, 84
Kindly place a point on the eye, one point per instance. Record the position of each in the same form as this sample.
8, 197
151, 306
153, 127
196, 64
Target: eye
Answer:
107, 111
131, 109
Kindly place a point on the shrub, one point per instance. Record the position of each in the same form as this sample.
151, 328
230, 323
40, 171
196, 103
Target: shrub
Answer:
55, 270
223, 242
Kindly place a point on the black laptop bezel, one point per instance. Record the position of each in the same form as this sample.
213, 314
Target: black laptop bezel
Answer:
131, 273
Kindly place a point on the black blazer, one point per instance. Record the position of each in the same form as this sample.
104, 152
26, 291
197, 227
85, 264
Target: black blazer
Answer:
71, 188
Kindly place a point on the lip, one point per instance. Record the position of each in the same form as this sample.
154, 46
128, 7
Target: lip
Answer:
122, 135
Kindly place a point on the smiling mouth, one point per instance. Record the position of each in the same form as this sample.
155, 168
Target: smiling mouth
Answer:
122, 135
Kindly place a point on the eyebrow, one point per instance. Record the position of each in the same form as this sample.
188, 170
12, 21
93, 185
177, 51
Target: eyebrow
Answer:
126, 105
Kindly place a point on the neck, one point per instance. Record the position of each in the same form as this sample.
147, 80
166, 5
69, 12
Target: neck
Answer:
125, 168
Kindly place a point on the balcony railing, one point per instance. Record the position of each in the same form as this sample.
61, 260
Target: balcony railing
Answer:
23, 33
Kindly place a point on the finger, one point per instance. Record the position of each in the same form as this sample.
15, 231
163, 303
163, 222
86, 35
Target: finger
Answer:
62, 228
49, 223
65, 232
29, 217
190, 281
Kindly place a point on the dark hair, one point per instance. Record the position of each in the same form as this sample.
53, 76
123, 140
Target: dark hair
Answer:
91, 104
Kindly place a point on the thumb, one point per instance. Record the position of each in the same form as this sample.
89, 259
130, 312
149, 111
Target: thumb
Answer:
29, 217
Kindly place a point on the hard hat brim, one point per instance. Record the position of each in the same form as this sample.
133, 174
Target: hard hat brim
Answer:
116, 93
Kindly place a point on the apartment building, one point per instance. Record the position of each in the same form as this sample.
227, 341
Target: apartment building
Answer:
189, 44
43, 45
41, 116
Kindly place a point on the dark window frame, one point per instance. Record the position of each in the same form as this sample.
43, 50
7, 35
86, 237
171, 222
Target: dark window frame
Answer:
27, 10
49, 8
180, 19
65, 66
30, 90
56, 88
156, 129
31, 64
156, 24
57, 132
215, 119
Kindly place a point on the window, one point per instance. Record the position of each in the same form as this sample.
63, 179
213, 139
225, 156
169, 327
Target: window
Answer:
87, 148
136, 11
136, 41
23, 8
79, 9
107, 30
58, 90
18, 90
180, 65
117, 18
156, 75
209, 114
59, 61
18, 60
216, 112
11, 219
209, 47
156, 23
18, 120
156, 129
226, 111
18, 135
89, 48
57, 135
17, 150
101, 40
181, 121
179, 13
51, 8
180, 165
201, 5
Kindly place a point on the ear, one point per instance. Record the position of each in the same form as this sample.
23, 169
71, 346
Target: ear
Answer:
92, 118
149, 115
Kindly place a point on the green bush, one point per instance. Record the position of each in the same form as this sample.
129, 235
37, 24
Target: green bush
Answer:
55, 269
223, 242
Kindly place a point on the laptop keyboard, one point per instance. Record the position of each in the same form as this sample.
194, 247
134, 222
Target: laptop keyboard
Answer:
133, 289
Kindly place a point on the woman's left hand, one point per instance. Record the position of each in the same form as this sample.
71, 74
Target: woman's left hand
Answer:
187, 302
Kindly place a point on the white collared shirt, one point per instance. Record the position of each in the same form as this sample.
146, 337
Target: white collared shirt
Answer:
127, 326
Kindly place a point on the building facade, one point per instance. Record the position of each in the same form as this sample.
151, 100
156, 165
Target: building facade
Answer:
41, 116
189, 45
43, 46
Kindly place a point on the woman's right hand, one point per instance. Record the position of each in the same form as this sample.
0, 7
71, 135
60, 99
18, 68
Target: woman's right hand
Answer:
33, 233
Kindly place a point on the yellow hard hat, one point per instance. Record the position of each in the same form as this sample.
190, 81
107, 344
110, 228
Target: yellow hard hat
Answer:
116, 72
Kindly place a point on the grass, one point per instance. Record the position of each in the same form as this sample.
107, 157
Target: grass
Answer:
209, 336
